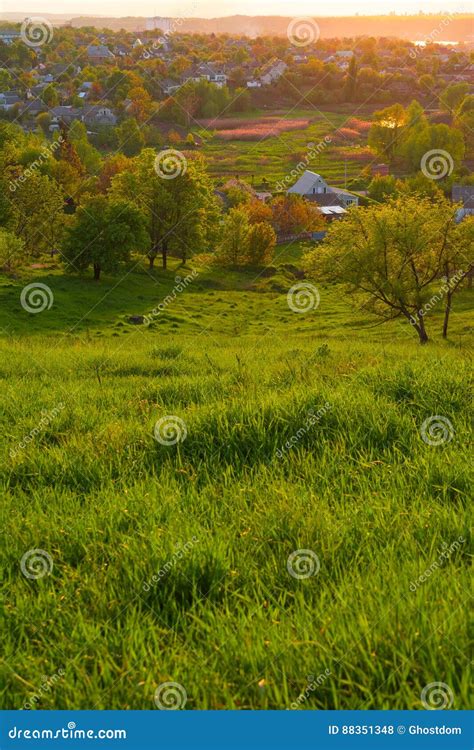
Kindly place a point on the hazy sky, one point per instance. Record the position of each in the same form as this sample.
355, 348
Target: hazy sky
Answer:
213, 8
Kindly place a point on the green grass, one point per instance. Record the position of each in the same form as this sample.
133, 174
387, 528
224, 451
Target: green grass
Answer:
112, 506
275, 157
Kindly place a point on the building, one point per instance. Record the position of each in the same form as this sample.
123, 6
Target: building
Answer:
8, 36
99, 53
206, 72
97, 114
8, 100
314, 188
463, 194
272, 71
168, 86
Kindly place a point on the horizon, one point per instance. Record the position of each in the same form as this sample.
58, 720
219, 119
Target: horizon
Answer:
211, 9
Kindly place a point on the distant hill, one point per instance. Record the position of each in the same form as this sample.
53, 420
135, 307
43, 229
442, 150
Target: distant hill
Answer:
460, 28
441, 27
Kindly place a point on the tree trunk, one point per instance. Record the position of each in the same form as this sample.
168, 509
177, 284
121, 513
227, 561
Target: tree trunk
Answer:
447, 310
97, 270
422, 331
151, 261
164, 250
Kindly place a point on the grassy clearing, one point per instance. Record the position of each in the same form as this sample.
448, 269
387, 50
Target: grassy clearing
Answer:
274, 158
113, 507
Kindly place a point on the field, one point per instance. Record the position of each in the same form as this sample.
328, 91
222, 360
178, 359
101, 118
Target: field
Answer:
170, 563
274, 157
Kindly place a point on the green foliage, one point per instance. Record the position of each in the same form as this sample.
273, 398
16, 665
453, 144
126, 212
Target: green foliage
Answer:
103, 234
130, 138
397, 251
37, 213
12, 251
382, 187
453, 95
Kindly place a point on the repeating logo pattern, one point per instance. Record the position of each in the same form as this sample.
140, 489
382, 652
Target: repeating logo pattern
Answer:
170, 163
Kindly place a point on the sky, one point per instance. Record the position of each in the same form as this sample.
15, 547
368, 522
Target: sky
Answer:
216, 8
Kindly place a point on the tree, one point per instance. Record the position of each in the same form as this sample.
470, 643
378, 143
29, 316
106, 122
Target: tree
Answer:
453, 95
131, 139
111, 166
389, 256
292, 214
103, 234
50, 95
385, 133
141, 103
232, 249
382, 187
44, 121
37, 208
260, 244
350, 85
257, 211
180, 213
12, 250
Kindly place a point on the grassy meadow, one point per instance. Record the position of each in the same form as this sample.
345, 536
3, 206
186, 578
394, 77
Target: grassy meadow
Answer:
221, 512
273, 158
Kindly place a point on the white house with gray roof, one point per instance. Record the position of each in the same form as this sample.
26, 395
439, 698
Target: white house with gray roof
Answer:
313, 187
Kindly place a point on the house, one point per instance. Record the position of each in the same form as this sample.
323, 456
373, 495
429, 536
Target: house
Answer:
8, 100
8, 36
212, 74
99, 53
168, 86
272, 71
121, 50
98, 115
463, 194
84, 90
64, 115
207, 72
34, 108
314, 188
